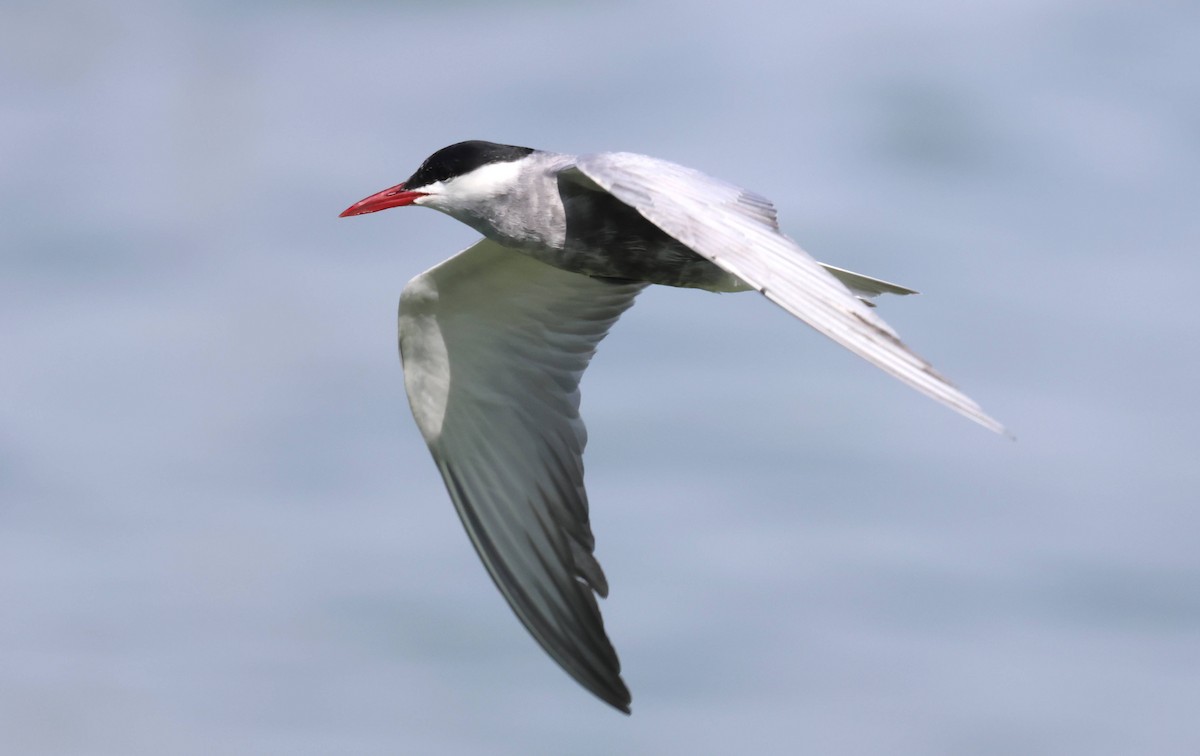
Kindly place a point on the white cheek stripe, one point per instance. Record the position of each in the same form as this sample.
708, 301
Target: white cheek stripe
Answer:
485, 181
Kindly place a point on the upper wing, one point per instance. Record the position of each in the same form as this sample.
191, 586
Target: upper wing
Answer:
494, 344
738, 231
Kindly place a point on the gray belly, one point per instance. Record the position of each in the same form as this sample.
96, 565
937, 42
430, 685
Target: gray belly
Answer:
605, 238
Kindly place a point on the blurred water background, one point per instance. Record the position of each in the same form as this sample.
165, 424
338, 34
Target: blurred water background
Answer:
220, 532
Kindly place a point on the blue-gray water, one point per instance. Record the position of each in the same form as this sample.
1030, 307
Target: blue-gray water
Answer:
220, 532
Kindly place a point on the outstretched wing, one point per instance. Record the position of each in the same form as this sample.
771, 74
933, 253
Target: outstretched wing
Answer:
738, 231
494, 344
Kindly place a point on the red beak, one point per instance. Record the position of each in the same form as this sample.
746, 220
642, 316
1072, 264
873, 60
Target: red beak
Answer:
394, 197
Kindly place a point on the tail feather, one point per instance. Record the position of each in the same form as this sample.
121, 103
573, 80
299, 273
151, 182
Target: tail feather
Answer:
865, 287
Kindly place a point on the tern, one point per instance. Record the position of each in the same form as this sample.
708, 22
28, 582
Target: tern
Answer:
494, 341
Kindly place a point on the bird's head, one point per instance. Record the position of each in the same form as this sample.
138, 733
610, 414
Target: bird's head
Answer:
452, 179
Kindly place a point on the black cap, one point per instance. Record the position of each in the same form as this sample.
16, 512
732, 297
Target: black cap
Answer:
461, 158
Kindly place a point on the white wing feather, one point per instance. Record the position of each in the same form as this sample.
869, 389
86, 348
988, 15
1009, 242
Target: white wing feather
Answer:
494, 344
738, 231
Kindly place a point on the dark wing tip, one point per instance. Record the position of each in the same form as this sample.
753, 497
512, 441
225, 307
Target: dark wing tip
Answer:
615, 695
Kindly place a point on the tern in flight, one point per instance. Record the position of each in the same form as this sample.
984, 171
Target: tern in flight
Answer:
495, 339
